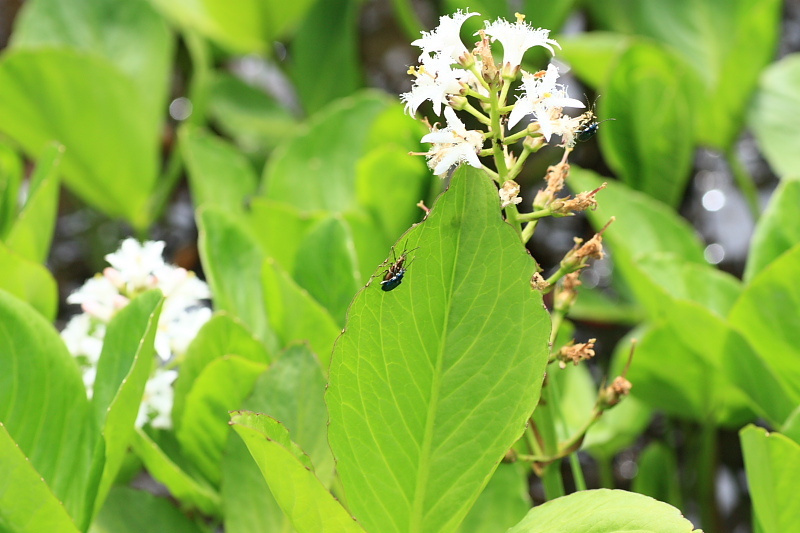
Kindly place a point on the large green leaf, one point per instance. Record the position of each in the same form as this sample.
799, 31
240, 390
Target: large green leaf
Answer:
287, 470
431, 383
766, 314
295, 315
221, 387
714, 38
232, 262
650, 144
290, 391
604, 511
221, 335
28, 281
503, 502
98, 113
593, 55
10, 180
122, 372
219, 174
43, 407
32, 232
191, 492
657, 475
773, 117
250, 116
326, 63
133, 511
27, 505
326, 266
772, 462
316, 169
131, 35
777, 231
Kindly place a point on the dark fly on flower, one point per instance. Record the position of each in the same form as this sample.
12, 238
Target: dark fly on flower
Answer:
394, 274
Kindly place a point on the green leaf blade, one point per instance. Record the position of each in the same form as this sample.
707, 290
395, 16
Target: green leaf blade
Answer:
432, 365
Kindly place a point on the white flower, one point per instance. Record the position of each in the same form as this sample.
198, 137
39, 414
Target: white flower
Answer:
156, 407
445, 39
177, 327
435, 79
135, 263
89, 375
84, 338
99, 298
516, 38
543, 98
508, 194
453, 145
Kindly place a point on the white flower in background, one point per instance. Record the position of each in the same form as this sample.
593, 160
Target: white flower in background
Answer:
453, 145
544, 99
156, 407
516, 39
135, 263
136, 268
445, 40
435, 79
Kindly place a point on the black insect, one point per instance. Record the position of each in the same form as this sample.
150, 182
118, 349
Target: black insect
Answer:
394, 274
590, 124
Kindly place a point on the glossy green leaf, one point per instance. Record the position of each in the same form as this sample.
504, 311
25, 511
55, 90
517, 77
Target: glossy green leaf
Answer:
280, 228
650, 145
32, 232
388, 172
122, 372
10, 180
791, 428
131, 511
593, 55
766, 314
287, 470
714, 38
773, 116
503, 502
219, 174
98, 114
130, 35
324, 156
221, 335
220, 388
326, 266
295, 315
657, 475
290, 391
249, 506
433, 365
777, 230
54, 430
250, 116
604, 511
772, 462
27, 505
232, 262
185, 488
28, 281
326, 62
692, 345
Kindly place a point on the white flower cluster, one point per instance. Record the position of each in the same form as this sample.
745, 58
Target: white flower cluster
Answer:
449, 74
136, 268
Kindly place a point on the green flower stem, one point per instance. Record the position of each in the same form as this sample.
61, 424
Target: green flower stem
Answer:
483, 119
606, 468
545, 423
536, 215
479, 76
504, 95
745, 182
527, 231
512, 217
477, 95
517, 168
557, 275
492, 174
511, 139
497, 130
407, 18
